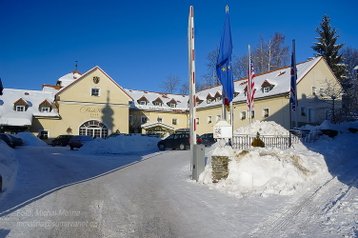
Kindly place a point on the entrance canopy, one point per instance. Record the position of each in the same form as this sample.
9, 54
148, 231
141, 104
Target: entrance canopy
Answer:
158, 128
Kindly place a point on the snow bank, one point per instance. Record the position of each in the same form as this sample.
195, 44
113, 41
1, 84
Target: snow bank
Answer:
121, 144
8, 165
268, 171
262, 127
29, 139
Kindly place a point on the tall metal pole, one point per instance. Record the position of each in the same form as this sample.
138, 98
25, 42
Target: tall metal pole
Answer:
191, 64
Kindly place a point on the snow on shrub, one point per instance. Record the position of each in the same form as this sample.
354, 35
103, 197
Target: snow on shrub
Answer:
29, 139
8, 166
262, 127
121, 144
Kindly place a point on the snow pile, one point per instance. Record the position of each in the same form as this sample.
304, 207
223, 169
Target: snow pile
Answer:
268, 171
121, 144
8, 165
29, 139
262, 127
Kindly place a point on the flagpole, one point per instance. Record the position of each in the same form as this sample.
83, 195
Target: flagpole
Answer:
191, 66
248, 90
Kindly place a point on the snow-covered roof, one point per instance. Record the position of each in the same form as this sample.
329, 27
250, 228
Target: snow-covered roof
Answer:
166, 98
280, 78
67, 79
33, 98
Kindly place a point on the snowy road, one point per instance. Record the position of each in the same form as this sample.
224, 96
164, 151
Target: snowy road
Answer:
155, 198
146, 199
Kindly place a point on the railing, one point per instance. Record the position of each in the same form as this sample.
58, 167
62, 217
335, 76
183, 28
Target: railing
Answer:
241, 141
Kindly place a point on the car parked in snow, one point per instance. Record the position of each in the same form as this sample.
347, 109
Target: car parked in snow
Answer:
78, 141
61, 140
178, 140
207, 139
11, 140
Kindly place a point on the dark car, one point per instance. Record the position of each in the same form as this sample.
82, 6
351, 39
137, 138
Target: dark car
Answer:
11, 140
61, 140
179, 140
207, 139
78, 141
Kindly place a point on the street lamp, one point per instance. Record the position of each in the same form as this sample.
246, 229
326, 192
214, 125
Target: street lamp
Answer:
333, 97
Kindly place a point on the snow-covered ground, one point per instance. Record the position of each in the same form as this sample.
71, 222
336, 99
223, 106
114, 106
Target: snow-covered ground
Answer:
307, 191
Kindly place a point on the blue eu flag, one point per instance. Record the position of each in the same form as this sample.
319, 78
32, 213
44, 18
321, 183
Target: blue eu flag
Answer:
223, 64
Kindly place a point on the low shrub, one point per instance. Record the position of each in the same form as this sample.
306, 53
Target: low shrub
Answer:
257, 142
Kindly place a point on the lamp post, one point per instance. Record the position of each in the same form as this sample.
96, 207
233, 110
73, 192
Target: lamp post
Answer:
333, 97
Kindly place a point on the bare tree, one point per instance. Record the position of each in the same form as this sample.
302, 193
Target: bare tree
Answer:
184, 89
210, 79
240, 67
170, 85
270, 54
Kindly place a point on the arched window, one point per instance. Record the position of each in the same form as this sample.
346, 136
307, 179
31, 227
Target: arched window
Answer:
93, 128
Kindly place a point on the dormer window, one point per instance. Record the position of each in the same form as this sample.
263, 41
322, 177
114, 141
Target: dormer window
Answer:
266, 89
142, 101
172, 103
158, 102
20, 105
45, 106
45, 109
266, 86
20, 108
209, 98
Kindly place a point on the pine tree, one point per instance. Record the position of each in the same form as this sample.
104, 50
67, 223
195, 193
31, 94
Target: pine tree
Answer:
328, 48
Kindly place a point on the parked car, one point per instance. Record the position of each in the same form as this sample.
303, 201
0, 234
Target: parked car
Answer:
61, 140
207, 139
11, 140
78, 141
179, 140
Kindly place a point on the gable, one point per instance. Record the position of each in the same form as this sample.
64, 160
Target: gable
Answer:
81, 90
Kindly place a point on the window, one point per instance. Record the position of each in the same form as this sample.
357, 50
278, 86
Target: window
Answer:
218, 99
252, 114
314, 91
43, 135
174, 121
209, 119
266, 89
243, 115
156, 103
303, 111
218, 118
144, 119
45, 109
20, 108
197, 121
95, 92
142, 102
172, 105
159, 119
266, 112
208, 100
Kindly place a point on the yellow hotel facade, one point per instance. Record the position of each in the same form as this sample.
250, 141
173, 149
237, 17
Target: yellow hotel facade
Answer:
94, 104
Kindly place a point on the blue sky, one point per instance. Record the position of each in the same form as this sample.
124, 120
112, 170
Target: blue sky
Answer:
140, 43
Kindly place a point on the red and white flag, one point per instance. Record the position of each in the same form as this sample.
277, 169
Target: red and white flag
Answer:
250, 89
